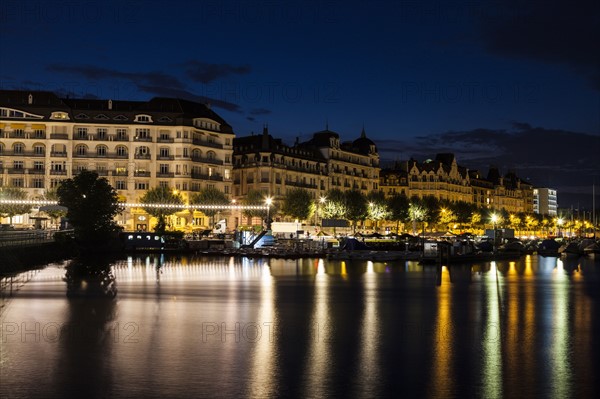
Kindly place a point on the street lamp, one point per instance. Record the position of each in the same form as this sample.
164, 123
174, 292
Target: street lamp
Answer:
494, 220
268, 201
321, 202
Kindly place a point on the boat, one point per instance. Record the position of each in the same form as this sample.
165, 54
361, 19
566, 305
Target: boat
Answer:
571, 250
548, 248
592, 250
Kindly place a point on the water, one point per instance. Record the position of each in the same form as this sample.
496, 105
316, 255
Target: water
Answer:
227, 327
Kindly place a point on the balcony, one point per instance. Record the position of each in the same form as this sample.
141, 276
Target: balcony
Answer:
202, 176
36, 171
206, 143
165, 157
207, 160
58, 154
143, 139
119, 173
165, 140
59, 136
141, 173
58, 172
16, 171
142, 156
165, 174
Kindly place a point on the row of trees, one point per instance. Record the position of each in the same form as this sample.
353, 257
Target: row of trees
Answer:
88, 198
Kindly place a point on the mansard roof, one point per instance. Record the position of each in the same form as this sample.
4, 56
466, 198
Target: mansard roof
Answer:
167, 111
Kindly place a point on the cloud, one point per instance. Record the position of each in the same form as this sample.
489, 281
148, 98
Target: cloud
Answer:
547, 157
156, 83
205, 72
97, 73
553, 31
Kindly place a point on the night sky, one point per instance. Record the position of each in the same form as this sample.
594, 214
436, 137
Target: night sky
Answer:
513, 84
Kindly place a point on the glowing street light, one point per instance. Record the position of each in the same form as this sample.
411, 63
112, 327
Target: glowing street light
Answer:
559, 222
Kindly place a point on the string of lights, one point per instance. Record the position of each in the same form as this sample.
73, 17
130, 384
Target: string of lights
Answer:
140, 205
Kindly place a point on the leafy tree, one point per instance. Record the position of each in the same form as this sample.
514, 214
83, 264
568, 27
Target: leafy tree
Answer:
161, 195
298, 204
416, 213
256, 198
334, 206
10, 210
463, 211
356, 207
446, 217
377, 206
92, 206
210, 196
398, 206
51, 194
432, 206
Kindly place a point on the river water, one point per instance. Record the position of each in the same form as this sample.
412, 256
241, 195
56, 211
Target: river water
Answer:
236, 327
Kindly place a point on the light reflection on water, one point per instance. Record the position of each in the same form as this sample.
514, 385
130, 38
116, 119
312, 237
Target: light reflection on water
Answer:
228, 327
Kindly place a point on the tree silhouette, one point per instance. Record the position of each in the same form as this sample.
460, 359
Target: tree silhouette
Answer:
92, 206
298, 204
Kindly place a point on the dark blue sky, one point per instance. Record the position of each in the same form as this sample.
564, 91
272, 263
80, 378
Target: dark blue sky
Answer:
413, 73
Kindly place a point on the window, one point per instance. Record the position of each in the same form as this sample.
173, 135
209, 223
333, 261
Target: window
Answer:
80, 149
38, 165
54, 183
38, 183
165, 135
39, 133
18, 148
143, 118
81, 133
101, 150
18, 133
164, 168
226, 189
143, 151
227, 159
164, 152
81, 116
121, 185
121, 151
142, 134
122, 135
163, 184
39, 149
101, 117
59, 115
227, 141
101, 133
210, 155
17, 164
18, 182
141, 185
186, 152
120, 118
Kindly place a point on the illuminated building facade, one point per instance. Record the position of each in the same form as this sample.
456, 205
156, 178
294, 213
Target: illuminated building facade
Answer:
136, 145
264, 163
545, 201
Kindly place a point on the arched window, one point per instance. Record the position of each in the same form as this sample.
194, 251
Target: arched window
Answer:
122, 151
196, 153
211, 155
39, 149
101, 150
81, 149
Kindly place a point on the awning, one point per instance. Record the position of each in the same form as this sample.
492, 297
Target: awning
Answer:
17, 126
38, 127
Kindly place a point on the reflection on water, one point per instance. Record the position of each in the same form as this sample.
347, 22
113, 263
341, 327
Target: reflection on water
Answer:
200, 326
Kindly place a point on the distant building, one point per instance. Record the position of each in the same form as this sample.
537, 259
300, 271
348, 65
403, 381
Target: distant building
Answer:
266, 164
545, 201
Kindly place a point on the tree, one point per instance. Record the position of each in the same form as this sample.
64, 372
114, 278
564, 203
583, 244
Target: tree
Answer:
92, 206
463, 211
54, 212
165, 196
398, 206
416, 213
334, 206
356, 205
298, 204
210, 196
378, 207
256, 198
432, 207
14, 194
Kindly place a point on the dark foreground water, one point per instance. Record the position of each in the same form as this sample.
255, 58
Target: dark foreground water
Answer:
225, 327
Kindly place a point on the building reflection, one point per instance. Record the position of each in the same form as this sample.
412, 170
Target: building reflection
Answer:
369, 376
319, 351
491, 341
442, 382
